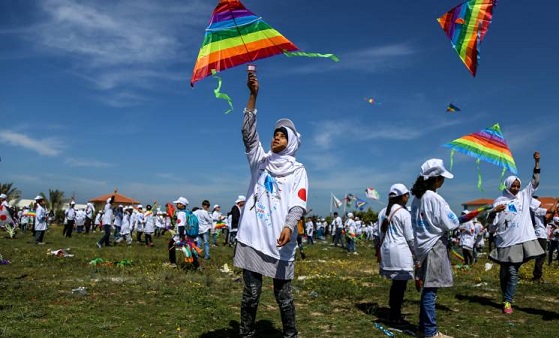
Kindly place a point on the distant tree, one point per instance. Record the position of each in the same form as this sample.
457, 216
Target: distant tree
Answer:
12, 192
56, 199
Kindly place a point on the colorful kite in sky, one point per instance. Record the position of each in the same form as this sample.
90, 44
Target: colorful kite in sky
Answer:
236, 36
452, 108
488, 145
360, 204
372, 193
466, 25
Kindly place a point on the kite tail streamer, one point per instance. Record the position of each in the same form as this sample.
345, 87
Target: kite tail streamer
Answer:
219, 94
502, 183
311, 55
478, 176
451, 159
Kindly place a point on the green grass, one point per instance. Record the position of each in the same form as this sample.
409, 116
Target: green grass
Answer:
336, 295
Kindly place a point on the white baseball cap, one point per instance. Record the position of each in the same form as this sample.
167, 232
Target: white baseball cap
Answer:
398, 189
182, 201
350, 215
433, 168
3, 196
216, 206
39, 197
241, 198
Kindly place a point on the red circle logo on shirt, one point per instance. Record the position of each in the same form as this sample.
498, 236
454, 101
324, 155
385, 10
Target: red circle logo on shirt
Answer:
3, 217
179, 221
302, 194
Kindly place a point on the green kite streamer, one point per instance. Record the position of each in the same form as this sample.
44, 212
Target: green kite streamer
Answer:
311, 55
219, 94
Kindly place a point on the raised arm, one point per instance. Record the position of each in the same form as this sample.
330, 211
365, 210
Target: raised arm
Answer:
250, 136
536, 174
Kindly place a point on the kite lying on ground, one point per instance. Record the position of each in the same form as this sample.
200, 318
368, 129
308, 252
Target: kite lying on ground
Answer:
488, 145
466, 25
236, 36
59, 253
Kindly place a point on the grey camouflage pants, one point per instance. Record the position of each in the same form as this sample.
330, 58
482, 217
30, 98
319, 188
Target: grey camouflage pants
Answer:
251, 298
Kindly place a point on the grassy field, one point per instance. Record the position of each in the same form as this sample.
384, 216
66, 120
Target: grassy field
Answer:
336, 295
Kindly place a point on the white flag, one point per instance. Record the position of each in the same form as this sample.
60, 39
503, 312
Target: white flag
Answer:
336, 202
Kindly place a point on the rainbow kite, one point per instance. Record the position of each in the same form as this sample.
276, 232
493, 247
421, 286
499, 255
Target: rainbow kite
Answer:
474, 213
466, 25
452, 108
236, 36
457, 254
488, 145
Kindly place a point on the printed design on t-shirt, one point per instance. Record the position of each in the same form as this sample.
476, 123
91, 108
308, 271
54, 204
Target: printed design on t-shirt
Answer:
302, 193
452, 217
418, 223
268, 187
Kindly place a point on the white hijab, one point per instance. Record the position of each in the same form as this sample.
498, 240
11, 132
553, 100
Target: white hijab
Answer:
508, 183
284, 162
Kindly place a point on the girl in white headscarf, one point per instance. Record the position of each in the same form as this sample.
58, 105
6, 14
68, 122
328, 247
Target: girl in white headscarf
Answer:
276, 200
515, 237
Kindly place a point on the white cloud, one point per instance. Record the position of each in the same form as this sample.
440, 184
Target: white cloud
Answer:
336, 132
368, 60
117, 45
46, 146
82, 162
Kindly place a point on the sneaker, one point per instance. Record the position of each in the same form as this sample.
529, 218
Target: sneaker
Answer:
507, 308
441, 335
99, 246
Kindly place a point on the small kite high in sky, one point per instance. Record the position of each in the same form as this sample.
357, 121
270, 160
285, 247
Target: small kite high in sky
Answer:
452, 108
488, 145
466, 25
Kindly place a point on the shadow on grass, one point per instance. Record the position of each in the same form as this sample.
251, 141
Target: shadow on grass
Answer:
546, 315
382, 314
480, 300
264, 328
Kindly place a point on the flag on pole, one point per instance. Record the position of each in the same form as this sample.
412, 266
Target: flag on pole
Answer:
336, 202
360, 204
372, 193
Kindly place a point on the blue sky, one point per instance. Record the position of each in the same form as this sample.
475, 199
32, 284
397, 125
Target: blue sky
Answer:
95, 95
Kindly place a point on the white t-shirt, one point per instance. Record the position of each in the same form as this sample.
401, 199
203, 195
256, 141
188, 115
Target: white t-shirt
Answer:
40, 218
204, 221
431, 220
467, 235
269, 200
125, 226
107, 214
396, 254
514, 224
149, 226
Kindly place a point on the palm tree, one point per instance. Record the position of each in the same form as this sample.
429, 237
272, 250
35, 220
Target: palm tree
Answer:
12, 192
56, 199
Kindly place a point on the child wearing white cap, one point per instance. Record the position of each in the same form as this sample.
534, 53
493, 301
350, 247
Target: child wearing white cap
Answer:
397, 248
276, 200
40, 219
107, 221
235, 216
432, 221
